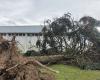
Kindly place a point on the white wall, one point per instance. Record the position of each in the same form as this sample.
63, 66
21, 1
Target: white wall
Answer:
25, 42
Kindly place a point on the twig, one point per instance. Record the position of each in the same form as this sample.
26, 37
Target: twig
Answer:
12, 67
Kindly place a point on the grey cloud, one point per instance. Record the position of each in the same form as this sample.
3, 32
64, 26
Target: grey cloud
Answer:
35, 11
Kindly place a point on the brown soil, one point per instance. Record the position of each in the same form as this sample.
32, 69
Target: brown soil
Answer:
14, 66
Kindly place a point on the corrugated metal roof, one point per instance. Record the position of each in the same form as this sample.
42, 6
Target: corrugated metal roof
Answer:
20, 29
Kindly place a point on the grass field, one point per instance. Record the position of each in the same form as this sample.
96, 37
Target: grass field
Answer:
74, 73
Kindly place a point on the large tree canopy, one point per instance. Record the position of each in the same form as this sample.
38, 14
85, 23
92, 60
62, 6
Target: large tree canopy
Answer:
64, 34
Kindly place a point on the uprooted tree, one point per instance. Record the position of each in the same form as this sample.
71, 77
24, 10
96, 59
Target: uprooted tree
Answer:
79, 39
14, 66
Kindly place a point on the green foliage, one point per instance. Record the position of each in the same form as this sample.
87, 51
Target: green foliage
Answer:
31, 53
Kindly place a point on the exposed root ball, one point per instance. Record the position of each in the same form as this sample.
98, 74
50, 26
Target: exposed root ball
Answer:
14, 66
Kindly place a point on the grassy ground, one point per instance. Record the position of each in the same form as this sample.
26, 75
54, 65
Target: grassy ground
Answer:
73, 73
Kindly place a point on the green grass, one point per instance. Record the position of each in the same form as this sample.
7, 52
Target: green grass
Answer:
74, 73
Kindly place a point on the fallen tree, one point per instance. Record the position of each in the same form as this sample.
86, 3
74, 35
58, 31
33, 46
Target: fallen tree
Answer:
54, 59
79, 39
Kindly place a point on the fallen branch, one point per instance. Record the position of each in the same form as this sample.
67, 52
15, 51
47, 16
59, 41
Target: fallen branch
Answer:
43, 66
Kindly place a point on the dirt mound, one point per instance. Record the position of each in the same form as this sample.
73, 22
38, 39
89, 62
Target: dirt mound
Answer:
14, 66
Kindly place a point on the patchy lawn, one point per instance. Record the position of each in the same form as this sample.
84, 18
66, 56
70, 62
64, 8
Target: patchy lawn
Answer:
74, 73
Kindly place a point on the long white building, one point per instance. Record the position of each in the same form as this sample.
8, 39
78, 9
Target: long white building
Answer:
26, 36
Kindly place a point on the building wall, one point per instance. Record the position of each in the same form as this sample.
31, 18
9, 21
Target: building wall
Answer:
25, 42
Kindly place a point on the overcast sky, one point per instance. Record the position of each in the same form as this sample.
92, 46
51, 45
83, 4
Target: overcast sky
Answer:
22, 12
